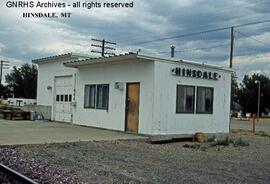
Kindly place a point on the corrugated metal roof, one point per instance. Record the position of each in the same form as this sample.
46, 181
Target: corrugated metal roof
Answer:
63, 57
132, 55
52, 57
98, 58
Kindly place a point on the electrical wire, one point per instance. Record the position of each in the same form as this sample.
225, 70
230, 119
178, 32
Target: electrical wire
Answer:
254, 39
200, 32
202, 48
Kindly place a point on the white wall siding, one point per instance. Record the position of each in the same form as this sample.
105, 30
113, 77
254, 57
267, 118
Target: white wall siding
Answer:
157, 107
46, 77
167, 121
114, 118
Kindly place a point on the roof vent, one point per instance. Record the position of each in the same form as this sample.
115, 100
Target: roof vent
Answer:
172, 51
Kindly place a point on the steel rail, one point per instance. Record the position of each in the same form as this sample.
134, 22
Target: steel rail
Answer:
16, 175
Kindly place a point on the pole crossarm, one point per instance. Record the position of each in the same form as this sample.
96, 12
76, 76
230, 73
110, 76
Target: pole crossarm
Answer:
103, 47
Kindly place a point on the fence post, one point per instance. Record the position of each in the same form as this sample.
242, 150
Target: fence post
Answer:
254, 125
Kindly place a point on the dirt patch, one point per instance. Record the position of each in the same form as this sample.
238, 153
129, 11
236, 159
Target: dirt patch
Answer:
136, 161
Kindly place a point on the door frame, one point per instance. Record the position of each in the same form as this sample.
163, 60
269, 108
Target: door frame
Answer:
126, 102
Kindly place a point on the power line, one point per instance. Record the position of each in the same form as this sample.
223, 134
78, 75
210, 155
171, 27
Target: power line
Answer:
200, 32
253, 38
202, 48
179, 36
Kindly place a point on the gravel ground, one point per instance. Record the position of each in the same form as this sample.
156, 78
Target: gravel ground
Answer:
136, 161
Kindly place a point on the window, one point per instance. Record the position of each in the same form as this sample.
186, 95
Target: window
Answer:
204, 100
57, 98
96, 96
69, 98
62, 98
66, 98
102, 96
185, 99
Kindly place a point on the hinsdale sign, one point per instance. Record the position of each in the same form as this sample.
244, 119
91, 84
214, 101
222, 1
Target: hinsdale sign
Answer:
186, 72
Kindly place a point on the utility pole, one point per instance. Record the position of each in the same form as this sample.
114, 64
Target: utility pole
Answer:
259, 98
232, 45
231, 62
103, 47
3, 65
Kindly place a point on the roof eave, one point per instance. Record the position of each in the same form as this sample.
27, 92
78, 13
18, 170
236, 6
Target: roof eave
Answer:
52, 58
113, 59
194, 63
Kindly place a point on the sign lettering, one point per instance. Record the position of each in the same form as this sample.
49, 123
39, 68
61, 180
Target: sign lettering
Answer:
185, 72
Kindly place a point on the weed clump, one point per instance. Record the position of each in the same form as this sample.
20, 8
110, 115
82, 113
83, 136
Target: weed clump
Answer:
222, 142
192, 146
211, 139
263, 134
240, 142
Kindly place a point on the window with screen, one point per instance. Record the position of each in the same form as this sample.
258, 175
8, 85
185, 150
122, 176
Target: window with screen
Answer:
185, 99
205, 97
96, 96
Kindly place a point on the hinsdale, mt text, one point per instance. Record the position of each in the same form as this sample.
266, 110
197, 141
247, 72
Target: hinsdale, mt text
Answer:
35, 9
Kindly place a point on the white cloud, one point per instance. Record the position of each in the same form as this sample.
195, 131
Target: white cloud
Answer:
2, 46
248, 65
26, 39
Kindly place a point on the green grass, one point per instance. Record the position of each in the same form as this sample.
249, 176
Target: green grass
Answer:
249, 132
192, 146
263, 134
212, 142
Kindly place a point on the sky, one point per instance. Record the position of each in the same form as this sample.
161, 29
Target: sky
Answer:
22, 40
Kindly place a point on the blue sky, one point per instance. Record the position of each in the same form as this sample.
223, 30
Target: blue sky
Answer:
22, 40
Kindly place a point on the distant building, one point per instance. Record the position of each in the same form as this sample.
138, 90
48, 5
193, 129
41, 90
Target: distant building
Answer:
21, 101
138, 93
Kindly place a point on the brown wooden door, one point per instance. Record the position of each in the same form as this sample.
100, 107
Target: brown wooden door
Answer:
132, 107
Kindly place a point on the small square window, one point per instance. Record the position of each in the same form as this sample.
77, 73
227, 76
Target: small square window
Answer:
62, 98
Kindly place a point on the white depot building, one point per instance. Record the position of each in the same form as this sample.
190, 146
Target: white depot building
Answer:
136, 92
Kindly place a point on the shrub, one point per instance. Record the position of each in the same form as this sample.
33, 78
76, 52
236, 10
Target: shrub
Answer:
240, 142
262, 133
192, 146
222, 142
211, 139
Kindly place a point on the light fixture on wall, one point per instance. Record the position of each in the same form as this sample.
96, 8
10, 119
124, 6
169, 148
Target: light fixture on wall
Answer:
119, 86
49, 87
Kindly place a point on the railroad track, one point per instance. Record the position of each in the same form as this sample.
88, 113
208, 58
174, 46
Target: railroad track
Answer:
8, 175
